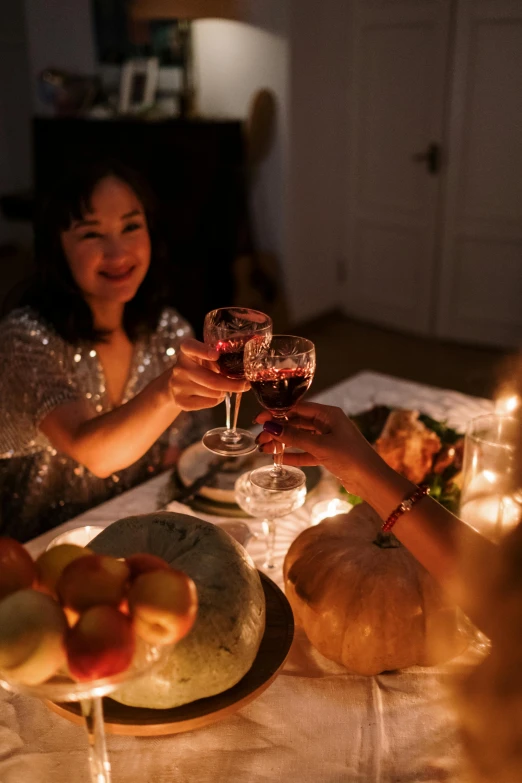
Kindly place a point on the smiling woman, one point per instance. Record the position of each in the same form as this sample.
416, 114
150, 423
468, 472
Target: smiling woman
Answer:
89, 220
95, 369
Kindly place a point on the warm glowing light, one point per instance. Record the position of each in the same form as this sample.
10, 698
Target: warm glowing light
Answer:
507, 405
490, 476
492, 515
81, 536
329, 508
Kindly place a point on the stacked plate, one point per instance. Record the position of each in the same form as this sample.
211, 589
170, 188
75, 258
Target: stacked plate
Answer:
216, 494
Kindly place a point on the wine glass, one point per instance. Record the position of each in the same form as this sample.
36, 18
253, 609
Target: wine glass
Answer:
62, 688
279, 374
490, 500
228, 329
490, 497
268, 505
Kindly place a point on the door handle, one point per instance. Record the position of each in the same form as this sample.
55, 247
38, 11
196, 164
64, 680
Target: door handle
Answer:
431, 157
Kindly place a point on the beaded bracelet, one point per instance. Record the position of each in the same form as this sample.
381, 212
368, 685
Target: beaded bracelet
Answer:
406, 505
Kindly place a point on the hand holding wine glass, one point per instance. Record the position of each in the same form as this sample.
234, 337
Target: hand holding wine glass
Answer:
279, 374
228, 330
193, 383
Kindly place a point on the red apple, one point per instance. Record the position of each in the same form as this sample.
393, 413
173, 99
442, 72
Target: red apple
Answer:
142, 563
51, 564
90, 581
163, 605
101, 644
17, 569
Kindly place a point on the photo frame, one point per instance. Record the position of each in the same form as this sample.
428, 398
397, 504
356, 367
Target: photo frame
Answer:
139, 81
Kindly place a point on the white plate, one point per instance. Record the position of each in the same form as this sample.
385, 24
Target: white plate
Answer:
196, 460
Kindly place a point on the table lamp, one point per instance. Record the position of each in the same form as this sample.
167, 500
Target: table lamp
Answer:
186, 11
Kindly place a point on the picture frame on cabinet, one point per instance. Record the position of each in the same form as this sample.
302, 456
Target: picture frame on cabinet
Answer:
138, 84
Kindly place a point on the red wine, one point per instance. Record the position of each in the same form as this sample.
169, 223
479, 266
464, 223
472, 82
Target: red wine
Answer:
231, 364
230, 360
280, 390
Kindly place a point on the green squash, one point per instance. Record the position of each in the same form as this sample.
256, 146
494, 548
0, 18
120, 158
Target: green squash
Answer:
222, 645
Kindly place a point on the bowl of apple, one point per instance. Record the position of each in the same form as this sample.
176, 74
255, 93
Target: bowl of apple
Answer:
75, 626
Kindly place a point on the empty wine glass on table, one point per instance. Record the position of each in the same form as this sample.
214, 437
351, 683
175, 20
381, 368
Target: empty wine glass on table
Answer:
268, 505
280, 373
491, 497
490, 500
228, 330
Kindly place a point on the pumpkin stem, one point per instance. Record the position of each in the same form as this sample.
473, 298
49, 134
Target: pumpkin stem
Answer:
386, 541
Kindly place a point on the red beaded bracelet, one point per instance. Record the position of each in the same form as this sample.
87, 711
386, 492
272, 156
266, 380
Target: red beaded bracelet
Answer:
406, 505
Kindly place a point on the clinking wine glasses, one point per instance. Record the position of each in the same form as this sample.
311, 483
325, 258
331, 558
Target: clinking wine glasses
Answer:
228, 330
280, 373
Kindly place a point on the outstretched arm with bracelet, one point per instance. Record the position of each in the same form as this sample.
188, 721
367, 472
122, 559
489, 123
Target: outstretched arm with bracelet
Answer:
436, 537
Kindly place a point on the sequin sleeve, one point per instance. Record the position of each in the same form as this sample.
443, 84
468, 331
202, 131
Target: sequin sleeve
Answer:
172, 329
33, 380
188, 427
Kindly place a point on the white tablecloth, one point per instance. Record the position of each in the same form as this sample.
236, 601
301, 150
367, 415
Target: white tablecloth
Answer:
315, 724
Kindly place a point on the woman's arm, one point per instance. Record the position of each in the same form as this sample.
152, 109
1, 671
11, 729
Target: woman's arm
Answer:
454, 553
112, 441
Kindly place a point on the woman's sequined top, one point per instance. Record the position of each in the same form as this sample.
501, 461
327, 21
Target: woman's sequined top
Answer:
40, 487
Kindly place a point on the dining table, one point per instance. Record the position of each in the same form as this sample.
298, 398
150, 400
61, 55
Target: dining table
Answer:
316, 722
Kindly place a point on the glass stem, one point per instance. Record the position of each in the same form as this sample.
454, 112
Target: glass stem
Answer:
227, 407
269, 527
279, 452
230, 435
237, 403
500, 519
92, 710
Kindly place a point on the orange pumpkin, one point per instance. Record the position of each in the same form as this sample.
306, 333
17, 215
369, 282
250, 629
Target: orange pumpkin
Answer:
364, 601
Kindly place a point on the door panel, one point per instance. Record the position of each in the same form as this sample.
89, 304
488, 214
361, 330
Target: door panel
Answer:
389, 132
480, 295
398, 86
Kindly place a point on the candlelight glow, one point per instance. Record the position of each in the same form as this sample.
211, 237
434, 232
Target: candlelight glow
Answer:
329, 508
507, 404
80, 536
491, 515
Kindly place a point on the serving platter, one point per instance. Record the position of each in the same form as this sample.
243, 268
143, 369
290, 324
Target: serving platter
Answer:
272, 653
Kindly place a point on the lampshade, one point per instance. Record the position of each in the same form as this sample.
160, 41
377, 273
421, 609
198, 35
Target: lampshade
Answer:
144, 10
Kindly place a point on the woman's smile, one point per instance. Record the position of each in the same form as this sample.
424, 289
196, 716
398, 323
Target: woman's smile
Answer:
108, 249
118, 275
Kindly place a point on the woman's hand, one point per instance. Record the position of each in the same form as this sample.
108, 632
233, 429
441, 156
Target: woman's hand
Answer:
195, 383
327, 437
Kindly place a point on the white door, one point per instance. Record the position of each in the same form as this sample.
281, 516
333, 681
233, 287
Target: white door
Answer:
398, 74
480, 294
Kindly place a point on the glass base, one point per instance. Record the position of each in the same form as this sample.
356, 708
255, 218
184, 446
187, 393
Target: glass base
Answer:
214, 441
477, 641
278, 481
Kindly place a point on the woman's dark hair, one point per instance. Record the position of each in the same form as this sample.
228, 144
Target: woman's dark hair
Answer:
55, 294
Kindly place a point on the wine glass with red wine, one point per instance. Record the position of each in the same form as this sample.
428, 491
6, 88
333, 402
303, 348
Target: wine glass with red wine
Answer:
280, 373
228, 330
